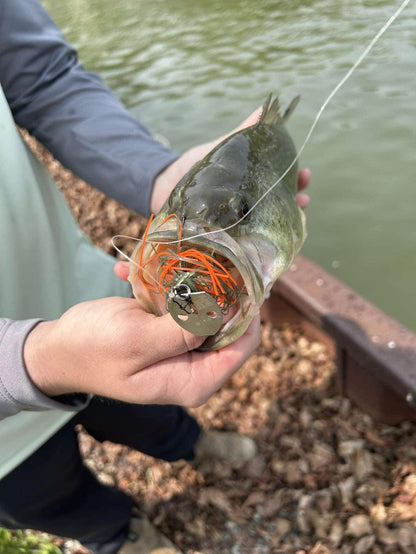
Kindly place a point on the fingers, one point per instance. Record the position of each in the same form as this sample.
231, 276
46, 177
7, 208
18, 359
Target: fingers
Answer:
193, 377
304, 177
121, 269
235, 354
213, 369
302, 200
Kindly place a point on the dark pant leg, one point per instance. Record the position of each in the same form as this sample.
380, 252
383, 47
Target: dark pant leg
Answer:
53, 491
165, 432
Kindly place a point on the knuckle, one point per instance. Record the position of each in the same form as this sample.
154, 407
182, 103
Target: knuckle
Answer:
191, 341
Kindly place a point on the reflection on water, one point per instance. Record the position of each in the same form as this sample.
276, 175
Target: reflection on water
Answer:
193, 70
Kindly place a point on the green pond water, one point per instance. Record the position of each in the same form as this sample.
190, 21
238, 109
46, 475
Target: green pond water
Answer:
192, 71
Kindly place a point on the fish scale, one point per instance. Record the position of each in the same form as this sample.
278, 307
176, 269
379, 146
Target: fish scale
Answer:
214, 209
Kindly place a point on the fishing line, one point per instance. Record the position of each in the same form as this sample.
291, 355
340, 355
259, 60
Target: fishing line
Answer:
141, 268
315, 122
364, 54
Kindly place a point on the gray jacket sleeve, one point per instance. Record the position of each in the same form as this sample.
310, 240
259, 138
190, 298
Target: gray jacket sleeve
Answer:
71, 111
17, 391
83, 124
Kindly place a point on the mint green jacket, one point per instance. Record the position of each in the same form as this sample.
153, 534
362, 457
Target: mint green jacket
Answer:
46, 263
46, 266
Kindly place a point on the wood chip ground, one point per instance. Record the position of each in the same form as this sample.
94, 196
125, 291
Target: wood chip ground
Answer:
327, 479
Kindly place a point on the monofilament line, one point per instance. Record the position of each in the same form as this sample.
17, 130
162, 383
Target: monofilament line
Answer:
128, 257
315, 122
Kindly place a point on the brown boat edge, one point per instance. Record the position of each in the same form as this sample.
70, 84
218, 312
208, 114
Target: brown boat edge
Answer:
375, 355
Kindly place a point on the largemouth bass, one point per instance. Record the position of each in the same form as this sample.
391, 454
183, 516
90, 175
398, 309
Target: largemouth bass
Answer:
211, 215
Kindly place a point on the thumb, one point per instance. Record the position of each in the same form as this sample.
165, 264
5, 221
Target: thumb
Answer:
173, 338
161, 337
250, 120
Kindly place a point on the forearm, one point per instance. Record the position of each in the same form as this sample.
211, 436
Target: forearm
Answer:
71, 110
17, 390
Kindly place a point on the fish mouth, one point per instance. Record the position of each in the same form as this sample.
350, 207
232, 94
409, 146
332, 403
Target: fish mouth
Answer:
164, 259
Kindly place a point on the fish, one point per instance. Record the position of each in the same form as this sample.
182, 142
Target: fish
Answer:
230, 227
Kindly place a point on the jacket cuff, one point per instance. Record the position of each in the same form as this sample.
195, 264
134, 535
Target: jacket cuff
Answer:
17, 390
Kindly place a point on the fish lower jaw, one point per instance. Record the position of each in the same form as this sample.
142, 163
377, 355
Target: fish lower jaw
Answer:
221, 248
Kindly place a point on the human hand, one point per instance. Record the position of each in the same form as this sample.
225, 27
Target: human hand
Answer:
112, 347
167, 179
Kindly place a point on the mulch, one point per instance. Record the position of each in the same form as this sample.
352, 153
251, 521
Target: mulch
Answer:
327, 478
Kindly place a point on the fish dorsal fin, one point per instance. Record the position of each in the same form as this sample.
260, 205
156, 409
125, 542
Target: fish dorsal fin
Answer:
271, 110
290, 108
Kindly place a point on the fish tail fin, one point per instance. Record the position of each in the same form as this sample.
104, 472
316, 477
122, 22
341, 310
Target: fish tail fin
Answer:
271, 110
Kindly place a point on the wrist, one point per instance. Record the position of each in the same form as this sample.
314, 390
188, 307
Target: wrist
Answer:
41, 361
161, 189
166, 181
